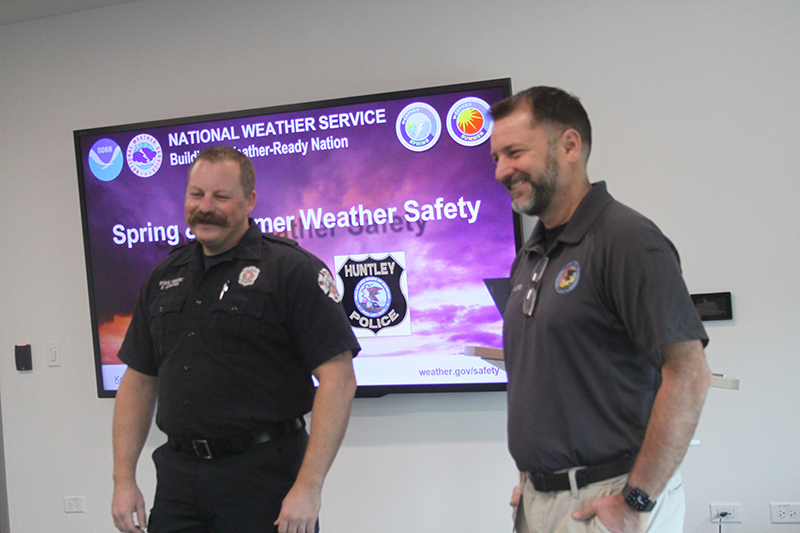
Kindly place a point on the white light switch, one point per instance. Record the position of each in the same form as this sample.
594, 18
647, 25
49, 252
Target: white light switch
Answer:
53, 353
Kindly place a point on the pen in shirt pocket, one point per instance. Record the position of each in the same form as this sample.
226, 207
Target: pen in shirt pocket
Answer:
224, 289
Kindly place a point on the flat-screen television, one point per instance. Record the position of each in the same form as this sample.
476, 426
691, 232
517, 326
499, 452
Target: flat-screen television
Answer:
395, 192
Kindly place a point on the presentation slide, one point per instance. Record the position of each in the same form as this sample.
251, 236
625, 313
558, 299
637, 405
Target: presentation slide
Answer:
394, 192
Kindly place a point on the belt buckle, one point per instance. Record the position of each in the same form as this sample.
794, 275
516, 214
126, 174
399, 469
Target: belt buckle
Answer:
202, 449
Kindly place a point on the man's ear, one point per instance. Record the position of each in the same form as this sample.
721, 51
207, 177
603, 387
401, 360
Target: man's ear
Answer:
571, 144
251, 202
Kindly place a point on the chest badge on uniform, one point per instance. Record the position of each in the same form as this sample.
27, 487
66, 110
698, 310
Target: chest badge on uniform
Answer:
374, 293
328, 286
248, 276
568, 278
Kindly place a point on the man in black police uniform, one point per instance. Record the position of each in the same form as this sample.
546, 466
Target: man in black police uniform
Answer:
604, 349
226, 335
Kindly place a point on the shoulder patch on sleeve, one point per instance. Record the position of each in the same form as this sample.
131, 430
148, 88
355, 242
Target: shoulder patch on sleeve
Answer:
328, 285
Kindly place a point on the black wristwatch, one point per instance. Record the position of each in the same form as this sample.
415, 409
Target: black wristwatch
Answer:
638, 499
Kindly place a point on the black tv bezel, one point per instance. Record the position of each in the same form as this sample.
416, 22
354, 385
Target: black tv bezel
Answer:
363, 391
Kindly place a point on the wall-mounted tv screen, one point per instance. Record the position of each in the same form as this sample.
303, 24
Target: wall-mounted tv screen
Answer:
394, 192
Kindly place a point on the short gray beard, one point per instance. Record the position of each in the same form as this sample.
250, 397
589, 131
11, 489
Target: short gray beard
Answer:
543, 189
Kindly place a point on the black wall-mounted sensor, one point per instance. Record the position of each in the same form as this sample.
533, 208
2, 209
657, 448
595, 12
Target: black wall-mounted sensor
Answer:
22, 354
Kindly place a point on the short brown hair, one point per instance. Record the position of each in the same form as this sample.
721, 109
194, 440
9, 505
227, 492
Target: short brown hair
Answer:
549, 105
218, 154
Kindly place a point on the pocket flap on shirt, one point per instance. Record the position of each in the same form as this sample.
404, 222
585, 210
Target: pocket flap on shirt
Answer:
242, 304
167, 305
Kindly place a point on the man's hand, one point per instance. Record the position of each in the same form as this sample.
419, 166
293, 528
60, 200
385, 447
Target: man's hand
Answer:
616, 515
299, 510
329, 417
516, 495
127, 500
133, 414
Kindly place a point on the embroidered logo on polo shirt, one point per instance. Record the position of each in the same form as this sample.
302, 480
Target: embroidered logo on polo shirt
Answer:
328, 286
568, 278
248, 275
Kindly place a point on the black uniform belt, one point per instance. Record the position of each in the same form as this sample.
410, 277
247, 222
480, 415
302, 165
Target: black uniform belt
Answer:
215, 448
584, 476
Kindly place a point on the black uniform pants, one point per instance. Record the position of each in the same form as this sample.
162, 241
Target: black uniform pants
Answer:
239, 493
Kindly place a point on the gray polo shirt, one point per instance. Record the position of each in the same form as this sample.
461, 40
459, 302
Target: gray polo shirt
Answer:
584, 369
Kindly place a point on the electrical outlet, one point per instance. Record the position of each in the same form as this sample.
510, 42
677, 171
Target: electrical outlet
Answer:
73, 504
784, 513
732, 512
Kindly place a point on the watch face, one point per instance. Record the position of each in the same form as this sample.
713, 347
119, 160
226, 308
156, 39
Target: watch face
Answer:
638, 499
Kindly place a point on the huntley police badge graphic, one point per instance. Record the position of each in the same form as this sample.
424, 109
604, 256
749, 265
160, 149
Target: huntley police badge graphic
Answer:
374, 290
468, 121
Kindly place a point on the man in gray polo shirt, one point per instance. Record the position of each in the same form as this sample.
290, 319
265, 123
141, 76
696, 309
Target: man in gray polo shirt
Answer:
603, 346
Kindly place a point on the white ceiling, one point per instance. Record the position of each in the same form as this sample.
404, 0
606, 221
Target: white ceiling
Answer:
12, 11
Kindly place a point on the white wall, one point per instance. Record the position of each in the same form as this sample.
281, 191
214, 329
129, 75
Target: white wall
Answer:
697, 125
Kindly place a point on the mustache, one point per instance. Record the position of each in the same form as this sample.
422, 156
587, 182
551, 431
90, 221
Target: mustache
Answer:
204, 217
517, 176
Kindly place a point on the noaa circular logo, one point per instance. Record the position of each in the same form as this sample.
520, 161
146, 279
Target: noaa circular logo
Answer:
468, 121
105, 160
418, 127
144, 155
372, 296
568, 278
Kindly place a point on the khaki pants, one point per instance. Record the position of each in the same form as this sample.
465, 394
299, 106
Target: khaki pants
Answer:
551, 512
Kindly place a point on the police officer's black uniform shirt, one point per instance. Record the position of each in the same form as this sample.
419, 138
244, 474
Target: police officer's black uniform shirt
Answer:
233, 347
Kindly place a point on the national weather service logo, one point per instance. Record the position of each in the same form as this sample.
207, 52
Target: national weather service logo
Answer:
568, 278
468, 121
374, 293
105, 160
144, 155
418, 127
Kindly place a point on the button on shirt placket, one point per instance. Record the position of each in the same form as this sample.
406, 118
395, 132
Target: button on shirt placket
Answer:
194, 327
